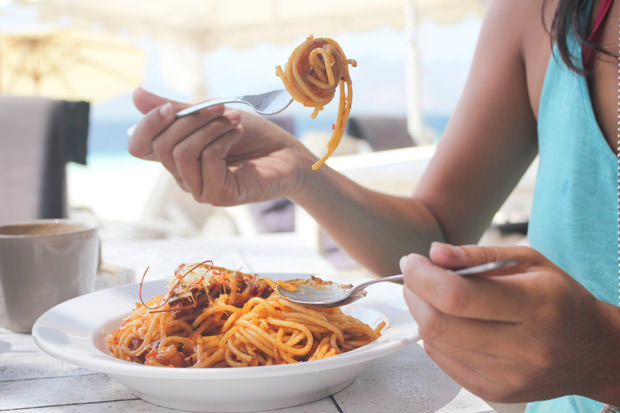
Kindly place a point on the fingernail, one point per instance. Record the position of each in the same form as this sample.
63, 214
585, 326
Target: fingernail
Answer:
402, 262
165, 110
450, 250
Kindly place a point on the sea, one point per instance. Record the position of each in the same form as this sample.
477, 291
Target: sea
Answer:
107, 138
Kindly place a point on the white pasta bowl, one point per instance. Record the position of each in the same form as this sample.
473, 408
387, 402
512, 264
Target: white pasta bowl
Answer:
75, 331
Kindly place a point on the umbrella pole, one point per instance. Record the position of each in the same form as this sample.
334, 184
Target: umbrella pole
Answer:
415, 123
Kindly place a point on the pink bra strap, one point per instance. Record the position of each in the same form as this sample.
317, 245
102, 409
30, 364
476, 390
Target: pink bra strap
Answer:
595, 36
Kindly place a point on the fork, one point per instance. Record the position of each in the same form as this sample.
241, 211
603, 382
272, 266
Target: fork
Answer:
267, 103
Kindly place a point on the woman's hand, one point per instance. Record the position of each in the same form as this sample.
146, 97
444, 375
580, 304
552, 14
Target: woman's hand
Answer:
523, 333
221, 156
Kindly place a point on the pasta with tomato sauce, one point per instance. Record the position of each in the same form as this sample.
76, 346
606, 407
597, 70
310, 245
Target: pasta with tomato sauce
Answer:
216, 317
313, 72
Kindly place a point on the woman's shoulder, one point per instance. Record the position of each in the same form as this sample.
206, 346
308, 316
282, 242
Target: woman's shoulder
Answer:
523, 27
520, 23
527, 19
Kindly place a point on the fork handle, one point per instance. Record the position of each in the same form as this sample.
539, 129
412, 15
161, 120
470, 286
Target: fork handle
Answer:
206, 104
195, 108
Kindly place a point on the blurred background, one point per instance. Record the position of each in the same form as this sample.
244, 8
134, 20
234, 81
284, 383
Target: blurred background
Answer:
413, 57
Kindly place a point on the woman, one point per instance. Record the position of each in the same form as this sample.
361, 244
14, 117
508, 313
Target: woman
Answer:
543, 329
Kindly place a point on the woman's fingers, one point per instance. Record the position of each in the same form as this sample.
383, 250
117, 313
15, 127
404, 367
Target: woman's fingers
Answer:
492, 359
460, 335
159, 114
161, 125
151, 125
146, 101
220, 185
505, 376
461, 256
193, 154
179, 142
202, 128
485, 298
203, 151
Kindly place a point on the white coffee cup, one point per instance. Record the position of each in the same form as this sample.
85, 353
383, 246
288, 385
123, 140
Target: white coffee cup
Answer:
43, 263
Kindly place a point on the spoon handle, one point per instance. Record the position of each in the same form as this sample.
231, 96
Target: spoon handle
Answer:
476, 269
479, 269
363, 285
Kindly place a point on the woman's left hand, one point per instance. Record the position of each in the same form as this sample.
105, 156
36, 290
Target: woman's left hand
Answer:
522, 333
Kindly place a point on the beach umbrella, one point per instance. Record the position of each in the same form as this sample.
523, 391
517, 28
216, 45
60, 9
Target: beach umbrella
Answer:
242, 23
209, 24
185, 29
448, 11
68, 65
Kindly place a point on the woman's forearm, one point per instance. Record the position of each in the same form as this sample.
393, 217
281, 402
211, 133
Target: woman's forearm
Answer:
376, 229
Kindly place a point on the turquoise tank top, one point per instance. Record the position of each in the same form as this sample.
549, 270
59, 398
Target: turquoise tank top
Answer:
575, 206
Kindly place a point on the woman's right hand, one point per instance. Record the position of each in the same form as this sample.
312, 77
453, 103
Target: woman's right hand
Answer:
221, 156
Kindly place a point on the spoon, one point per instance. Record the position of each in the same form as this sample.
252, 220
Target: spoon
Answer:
335, 295
267, 103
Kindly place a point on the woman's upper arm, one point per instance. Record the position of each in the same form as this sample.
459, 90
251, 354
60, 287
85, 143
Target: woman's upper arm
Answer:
490, 139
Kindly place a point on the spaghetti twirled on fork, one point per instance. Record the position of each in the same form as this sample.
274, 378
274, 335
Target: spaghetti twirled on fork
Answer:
311, 75
215, 317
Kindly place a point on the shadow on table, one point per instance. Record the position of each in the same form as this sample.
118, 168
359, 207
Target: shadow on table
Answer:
410, 378
407, 378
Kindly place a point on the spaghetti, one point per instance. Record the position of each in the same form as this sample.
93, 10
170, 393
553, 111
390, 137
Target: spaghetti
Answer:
311, 75
215, 317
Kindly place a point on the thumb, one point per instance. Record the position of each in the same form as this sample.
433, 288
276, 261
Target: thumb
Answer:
461, 256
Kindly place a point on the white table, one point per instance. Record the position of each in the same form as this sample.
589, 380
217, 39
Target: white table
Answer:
407, 381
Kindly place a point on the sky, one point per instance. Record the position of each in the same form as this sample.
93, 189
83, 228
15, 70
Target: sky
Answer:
379, 79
